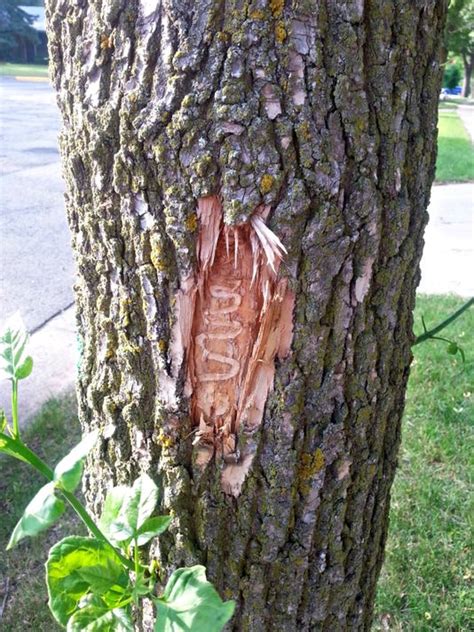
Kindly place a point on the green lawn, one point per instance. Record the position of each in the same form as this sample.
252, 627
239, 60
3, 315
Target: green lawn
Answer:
425, 583
455, 161
23, 70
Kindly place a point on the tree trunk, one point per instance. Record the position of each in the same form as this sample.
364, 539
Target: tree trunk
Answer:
468, 60
264, 394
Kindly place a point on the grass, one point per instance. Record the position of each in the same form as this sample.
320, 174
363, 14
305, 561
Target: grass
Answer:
426, 582
455, 162
54, 431
424, 585
23, 70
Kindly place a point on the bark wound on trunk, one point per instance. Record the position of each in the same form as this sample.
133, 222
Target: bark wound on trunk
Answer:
241, 318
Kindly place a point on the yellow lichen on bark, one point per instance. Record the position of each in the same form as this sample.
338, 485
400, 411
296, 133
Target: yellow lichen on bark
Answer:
280, 32
258, 14
191, 222
276, 7
266, 183
310, 465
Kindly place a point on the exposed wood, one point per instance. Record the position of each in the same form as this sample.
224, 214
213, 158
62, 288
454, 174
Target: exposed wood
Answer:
233, 317
238, 329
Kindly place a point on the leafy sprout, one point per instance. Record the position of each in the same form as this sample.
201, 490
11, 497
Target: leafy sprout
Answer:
94, 581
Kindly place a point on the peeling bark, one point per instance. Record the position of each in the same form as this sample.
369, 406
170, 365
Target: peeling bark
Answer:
315, 120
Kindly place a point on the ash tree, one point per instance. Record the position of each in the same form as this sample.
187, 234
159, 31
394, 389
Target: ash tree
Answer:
247, 184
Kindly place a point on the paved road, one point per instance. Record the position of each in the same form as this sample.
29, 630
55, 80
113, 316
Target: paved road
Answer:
36, 268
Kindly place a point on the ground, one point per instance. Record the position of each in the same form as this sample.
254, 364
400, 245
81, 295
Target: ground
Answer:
36, 264
446, 265
22, 579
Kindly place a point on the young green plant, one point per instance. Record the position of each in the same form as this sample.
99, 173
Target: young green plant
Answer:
97, 583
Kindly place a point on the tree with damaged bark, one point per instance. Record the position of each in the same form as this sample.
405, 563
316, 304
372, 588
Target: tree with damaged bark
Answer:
247, 190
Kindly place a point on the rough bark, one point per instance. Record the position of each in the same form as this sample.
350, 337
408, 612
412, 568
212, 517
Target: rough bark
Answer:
324, 112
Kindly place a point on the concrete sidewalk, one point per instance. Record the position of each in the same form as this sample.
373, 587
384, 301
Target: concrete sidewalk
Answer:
36, 264
447, 265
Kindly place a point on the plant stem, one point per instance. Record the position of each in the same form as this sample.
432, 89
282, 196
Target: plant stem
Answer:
16, 428
121, 604
135, 557
432, 332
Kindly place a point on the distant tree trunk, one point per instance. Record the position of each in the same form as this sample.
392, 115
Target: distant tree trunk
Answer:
264, 397
468, 60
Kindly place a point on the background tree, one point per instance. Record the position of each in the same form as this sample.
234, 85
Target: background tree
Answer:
460, 37
15, 31
452, 75
200, 140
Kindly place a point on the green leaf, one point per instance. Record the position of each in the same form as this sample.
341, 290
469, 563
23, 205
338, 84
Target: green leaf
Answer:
190, 602
43, 511
95, 616
12, 447
121, 532
3, 422
100, 580
112, 506
18, 450
24, 370
151, 528
68, 471
75, 567
13, 341
137, 507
